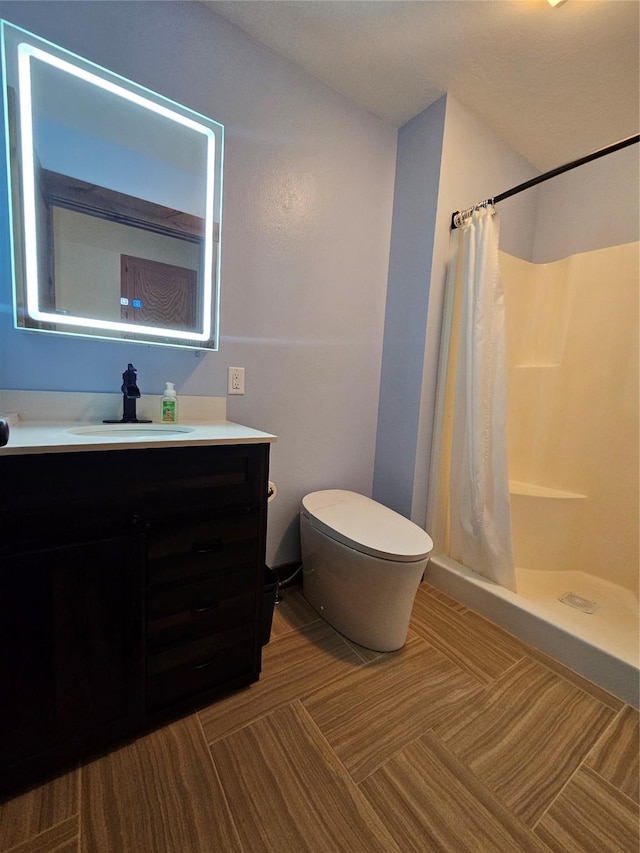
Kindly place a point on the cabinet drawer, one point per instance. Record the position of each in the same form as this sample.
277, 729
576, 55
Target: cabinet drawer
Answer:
175, 615
203, 596
201, 665
198, 653
196, 548
169, 479
223, 476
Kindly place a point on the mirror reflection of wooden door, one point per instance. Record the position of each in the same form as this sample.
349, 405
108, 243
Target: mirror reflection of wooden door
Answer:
158, 294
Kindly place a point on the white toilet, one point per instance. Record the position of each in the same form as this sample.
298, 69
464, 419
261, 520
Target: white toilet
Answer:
361, 566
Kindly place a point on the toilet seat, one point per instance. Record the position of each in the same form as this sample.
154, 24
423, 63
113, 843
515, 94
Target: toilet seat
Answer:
366, 526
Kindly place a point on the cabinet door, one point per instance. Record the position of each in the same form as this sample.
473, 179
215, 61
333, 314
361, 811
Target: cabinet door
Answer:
27, 672
70, 646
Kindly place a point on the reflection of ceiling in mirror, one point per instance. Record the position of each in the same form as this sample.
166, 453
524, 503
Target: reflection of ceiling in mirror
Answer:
80, 105
100, 162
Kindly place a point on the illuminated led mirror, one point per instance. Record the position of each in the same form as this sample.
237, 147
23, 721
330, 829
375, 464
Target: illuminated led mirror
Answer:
116, 201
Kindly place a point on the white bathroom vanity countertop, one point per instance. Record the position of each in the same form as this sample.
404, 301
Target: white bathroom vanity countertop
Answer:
42, 437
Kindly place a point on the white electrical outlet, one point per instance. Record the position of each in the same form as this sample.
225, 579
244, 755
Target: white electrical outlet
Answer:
235, 380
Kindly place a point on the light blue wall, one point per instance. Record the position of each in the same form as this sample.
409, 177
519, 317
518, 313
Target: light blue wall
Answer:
592, 207
414, 218
447, 161
305, 246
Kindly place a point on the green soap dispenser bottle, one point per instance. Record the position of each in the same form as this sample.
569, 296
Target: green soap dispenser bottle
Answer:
169, 405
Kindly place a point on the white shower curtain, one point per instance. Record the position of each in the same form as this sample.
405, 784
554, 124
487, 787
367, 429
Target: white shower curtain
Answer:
479, 510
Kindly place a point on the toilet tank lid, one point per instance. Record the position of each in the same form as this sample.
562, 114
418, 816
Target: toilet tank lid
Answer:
366, 525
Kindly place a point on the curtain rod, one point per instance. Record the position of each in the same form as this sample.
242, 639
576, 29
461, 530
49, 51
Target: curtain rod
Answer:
623, 143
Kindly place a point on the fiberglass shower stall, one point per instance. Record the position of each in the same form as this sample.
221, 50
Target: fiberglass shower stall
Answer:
571, 368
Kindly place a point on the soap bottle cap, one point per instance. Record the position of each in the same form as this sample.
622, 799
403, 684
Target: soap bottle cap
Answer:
170, 391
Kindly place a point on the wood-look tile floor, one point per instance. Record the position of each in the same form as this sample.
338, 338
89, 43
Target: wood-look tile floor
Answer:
464, 740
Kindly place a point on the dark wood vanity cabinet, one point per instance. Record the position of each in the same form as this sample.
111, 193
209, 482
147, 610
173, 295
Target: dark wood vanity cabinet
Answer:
131, 589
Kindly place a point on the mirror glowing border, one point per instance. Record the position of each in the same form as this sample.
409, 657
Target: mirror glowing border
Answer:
26, 53
28, 50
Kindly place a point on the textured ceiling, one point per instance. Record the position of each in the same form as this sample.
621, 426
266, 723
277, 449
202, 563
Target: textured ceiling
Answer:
554, 83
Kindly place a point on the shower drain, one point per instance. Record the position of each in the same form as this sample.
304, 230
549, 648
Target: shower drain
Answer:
579, 603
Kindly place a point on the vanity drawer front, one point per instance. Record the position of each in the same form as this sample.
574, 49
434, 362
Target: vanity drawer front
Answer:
220, 476
195, 610
205, 595
118, 483
196, 548
201, 665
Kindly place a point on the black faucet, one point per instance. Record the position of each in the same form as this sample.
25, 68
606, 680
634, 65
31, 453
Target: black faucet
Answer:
130, 393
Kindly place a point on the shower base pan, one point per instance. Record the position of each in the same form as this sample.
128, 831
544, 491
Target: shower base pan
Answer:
566, 634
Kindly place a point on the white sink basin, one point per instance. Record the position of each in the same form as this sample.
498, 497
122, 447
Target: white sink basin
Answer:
121, 430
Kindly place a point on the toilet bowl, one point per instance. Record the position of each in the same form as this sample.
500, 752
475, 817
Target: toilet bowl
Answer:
361, 566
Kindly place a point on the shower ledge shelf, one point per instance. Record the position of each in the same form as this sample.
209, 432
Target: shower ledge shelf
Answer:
516, 487
526, 365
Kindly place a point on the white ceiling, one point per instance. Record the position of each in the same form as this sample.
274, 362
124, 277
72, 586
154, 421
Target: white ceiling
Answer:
554, 83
